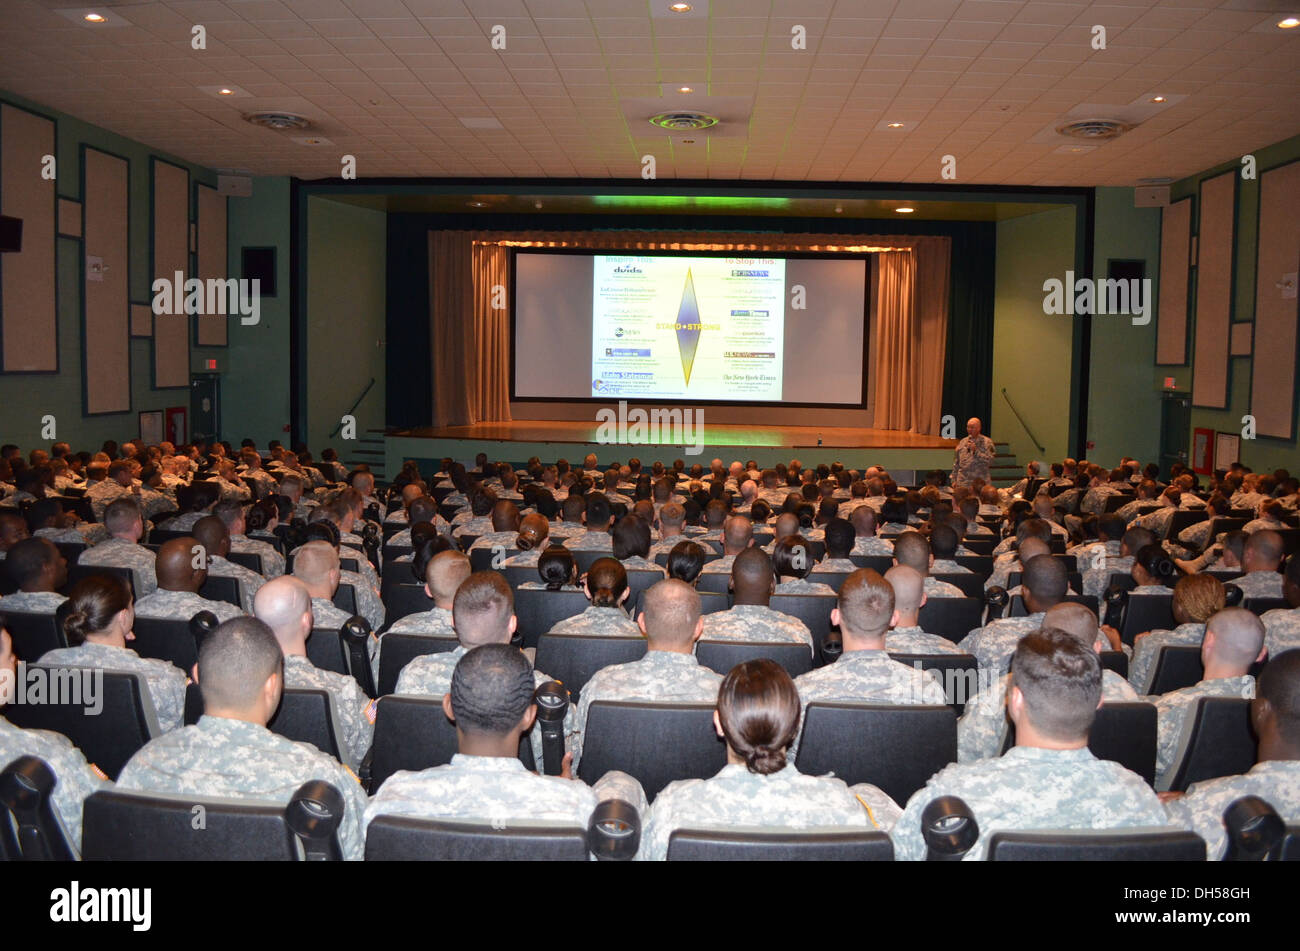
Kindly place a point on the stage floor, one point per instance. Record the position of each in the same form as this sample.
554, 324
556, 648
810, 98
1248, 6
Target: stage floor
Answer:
719, 435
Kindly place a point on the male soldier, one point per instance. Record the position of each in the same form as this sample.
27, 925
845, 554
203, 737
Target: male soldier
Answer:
863, 519
839, 536
598, 519
911, 549
284, 605
750, 619
1096, 579
316, 565
1282, 625
1234, 640
1260, 558
125, 527
13, 529
490, 698
232, 515
670, 520
973, 456
369, 604
1010, 559
1275, 778
442, 577
180, 575
737, 536
669, 672
906, 635
483, 612
116, 486
1050, 780
37, 569
75, 778
211, 534
982, 728
229, 753
505, 527
421, 509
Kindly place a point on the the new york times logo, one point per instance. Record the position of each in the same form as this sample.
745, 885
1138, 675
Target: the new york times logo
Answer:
77, 904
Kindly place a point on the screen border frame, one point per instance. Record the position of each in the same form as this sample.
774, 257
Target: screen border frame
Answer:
865, 258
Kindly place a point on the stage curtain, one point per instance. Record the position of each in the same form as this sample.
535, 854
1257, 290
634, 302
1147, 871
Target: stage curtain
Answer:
968, 367
471, 382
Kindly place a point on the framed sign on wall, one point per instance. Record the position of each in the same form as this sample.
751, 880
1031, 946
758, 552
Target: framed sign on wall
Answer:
1227, 449
1202, 444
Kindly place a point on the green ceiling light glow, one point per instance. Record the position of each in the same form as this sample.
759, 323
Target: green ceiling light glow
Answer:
678, 202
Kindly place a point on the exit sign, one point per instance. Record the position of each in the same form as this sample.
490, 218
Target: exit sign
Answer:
1169, 383
212, 365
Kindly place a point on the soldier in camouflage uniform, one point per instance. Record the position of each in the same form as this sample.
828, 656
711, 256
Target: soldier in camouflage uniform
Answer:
490, 698
912, 549
96, 621
1275, 778
1196, 599
125, 524
606, 588
751, 619
1234, 640
532, 540
443, 575
211, 534
76, 779
906, 635
982, 729
179, 580
39, 570
505, 528
1050, 780
482, 613
232, 514
116, 486
1261, 559
973, 455
669, 673
1096, 572
597, 519
316, 565
758, 717
1282, 625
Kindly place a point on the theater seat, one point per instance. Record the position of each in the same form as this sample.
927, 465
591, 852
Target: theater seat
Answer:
1146, 612
1255, 831
309, 716
345, 598
877, 563
711, 601
1115, 845
126, 826
894, 747
855, 845
721, 656
538, 611
1216, 741
952, 618
221, 589
714, 582
1263, 605
403, 599
396, 650
1124, 733
29, 828
813, 609
958, 674
1116, 662
655, 743
76, 572
172, 639
34, 634
638, 582
247, 559
1176, 666
483, 559
573, 658
1017, 606
972, 585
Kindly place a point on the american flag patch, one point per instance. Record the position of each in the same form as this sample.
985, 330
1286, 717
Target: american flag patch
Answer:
372, 710
98, 772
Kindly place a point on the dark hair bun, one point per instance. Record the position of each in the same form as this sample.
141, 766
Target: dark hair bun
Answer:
765, 760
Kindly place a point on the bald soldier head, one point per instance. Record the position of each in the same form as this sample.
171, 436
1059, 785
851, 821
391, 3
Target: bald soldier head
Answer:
444, 575
505, 516
1045, 581
670, 617
1032, 548
787, 523
1234, 639
175, 565
909, 594
864, 610
316, 565
241, 670
737, 534
1077, 621
752, 580
912, 549
1263, 551
211, 532
284, 605
863, 520
483, 610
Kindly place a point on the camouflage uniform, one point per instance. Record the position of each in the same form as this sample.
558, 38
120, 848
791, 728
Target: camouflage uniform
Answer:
1003, 565
356, 729
590, 541
524, 559
755, 623
185, 521
430, 676
1263, 524
272, 560
946, 566
865, 676
32, 602
1260, 584
599, 622
737, 799
934, 588
1146, 650
1157, 521
873, 545
182, 605
1196, 537
76, 779
913, 640
435, 622
719, 566
1277, 782
102, 493
1031, 788
1095, 580
1173, 710
466, 524
249, 581
504, 540
166, 682
369, 606
120, 553
659, 677
837, 564
1281, 630
1094, 500
803, 586
61, 536
637, 563
500, 790
995, 642
971, 459
665, 545
559, 531
221, 758
982, 729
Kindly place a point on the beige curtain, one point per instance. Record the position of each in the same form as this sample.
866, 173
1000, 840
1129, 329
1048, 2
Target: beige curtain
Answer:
472, 346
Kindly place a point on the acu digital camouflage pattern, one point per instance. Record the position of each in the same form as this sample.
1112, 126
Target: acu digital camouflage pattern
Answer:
75, 779
166, 681
1277, 782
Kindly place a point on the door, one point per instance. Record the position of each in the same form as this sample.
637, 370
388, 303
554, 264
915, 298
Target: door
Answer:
1175, 428
205, 418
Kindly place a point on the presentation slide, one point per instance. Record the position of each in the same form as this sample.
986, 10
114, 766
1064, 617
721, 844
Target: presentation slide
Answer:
687, 328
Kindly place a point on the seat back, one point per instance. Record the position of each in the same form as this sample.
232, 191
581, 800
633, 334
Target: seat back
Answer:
655, 743
1115, 845
404, 599
721, 656
345, 598
849, 845
167, 639
972, 585
1115, 661
1147, 612
34, 634
711, 601
877, 563
413, 733
221, 589
638, 582
1184, 518
108, 732
247, 559
1017, 607
538, 611
1177, 666
952, 618
404, 839
396, 650
813, 609
895, 747
29, 828
308, 716
1126, 734
482, 559
982, 565
958, 674
979, 545
1216, 741
77, 572
325, 650
1263, 605
573, 658
127, 826
714, 582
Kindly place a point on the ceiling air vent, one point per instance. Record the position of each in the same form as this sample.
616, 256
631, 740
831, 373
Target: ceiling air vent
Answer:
684, 121
1093, 128
279, 121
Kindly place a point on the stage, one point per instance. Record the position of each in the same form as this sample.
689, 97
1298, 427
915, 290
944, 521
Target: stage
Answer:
573, 439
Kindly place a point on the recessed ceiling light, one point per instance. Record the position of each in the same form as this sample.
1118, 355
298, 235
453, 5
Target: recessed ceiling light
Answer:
1159, 99
478, 204
688, 141
905, 210
895, 125
537, 205
225, 91
1290, 23
839, 209
680, 8
685, 89
93, 18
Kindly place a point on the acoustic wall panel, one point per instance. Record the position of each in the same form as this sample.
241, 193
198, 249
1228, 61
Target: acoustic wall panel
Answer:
1213, 292
1273, 377
106, 330
1171, 318
28, 321
211, 212
170, 253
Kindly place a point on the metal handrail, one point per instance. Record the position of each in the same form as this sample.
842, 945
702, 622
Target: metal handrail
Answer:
357, 402
1032, 437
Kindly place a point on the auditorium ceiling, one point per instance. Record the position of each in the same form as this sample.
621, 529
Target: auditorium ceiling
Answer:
806, 90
